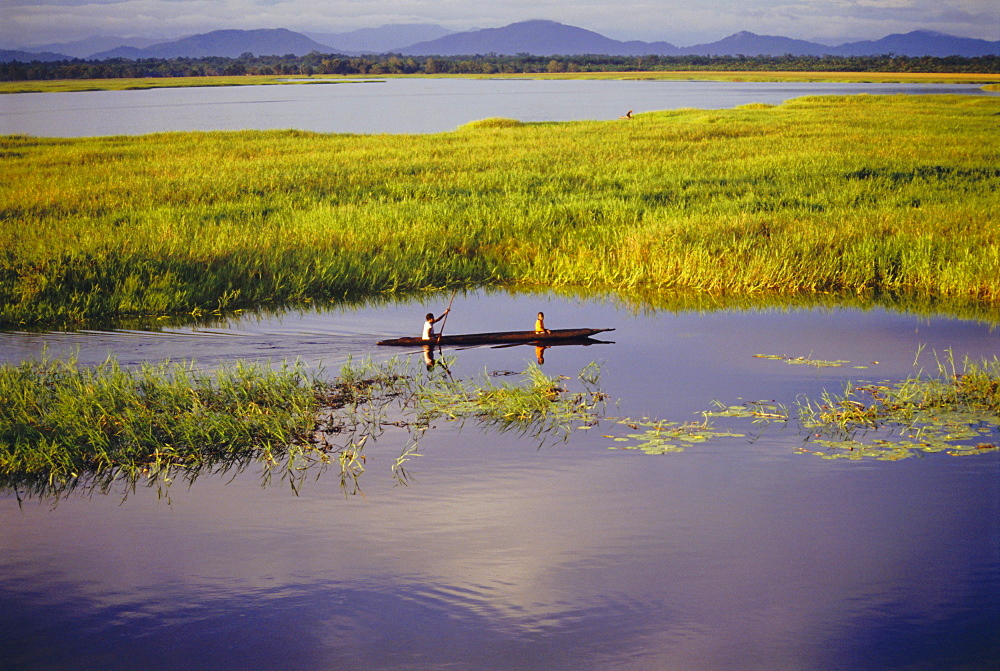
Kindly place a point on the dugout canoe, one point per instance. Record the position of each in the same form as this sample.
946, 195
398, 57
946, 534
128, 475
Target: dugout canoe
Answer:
496, 338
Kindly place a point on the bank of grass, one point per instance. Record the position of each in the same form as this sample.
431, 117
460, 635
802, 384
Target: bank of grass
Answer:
64, 426
886, 197
60, 421
145, 83
779, 76
141, 83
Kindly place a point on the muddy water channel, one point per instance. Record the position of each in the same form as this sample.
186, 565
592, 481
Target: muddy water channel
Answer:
504, 551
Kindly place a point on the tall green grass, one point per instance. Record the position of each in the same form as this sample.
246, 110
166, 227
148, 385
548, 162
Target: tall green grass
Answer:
885, 197
59, 420
64, 426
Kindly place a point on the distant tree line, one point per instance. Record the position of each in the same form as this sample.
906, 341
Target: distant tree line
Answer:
330, 64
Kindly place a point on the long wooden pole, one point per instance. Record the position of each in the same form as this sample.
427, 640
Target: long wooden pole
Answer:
447, 312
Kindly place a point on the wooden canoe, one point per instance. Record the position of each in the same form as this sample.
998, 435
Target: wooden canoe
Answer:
500, 337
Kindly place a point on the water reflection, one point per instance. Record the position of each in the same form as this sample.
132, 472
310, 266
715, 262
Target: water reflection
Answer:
689, 564
730, 554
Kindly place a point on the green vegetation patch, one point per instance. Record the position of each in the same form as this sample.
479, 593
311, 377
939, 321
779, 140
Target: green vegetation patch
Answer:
64, 427
804, 361
59, 420
887, 197
492, 122
661, 437
956, 411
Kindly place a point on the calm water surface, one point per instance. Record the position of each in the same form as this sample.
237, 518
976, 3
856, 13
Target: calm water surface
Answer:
505, 554
393, 105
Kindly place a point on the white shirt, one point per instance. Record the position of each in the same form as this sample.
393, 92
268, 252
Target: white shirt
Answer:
428, 330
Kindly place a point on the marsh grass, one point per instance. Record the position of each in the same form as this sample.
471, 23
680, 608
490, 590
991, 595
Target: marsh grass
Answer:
990, 80
890, 198
60, 421
146, 83
537, 405
954, 410
66, 427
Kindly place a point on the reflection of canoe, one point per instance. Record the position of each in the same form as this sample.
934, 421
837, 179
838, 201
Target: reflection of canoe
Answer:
500, 337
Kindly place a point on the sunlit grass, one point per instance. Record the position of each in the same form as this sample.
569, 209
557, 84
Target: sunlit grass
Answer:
989, 80
65, 426
60, 421
887, 197
144, 83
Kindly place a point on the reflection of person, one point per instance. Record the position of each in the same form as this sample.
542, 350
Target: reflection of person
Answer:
428, 356
430, 322
540, 354
540, 323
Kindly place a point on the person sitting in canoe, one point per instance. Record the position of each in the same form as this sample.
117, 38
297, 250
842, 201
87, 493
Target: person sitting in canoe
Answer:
430, 322
540, 323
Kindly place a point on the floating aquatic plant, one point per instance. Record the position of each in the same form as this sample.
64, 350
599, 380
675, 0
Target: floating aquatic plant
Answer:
805, 361
954, 412
661, 437
957, 413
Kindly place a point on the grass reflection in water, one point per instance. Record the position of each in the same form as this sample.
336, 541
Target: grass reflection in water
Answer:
67, 428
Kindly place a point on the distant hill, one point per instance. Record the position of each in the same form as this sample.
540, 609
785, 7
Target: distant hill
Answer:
230, 43
380, 40
545, 38
8, 55
920, 43
540, 38
95, 44
749, 44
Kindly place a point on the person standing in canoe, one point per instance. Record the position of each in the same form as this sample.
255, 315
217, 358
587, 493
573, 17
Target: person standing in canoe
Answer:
430, 322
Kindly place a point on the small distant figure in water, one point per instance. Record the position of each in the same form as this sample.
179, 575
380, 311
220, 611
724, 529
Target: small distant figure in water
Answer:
540, 324
628, 115
429, 323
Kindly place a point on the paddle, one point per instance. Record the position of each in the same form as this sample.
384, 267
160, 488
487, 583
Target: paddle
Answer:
445, 320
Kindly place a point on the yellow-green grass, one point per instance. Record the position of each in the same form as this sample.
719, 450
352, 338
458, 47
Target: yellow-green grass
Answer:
893, 197
140, 83
64, 426
774, 76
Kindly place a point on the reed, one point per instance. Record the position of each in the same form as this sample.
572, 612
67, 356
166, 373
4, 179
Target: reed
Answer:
60, 420
972, 388
990, 80
64, 426
890, 198
145, 83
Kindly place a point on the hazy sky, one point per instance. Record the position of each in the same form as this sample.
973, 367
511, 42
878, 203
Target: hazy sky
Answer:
681, 22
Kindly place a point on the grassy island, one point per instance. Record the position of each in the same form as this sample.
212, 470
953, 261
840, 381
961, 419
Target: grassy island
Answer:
871, 195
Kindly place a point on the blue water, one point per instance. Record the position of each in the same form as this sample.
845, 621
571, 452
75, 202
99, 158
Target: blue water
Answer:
394, 105
503, 553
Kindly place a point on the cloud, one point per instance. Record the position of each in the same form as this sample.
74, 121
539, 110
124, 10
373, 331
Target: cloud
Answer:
678, 21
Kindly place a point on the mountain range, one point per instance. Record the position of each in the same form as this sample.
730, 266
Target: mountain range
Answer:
538, 38
229, 43
381, 40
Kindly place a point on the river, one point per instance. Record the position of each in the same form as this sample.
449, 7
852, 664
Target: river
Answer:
504, 551
417, 105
